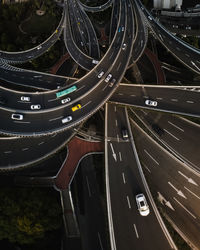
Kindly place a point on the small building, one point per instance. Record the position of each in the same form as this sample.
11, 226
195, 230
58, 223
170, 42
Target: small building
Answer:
167, 4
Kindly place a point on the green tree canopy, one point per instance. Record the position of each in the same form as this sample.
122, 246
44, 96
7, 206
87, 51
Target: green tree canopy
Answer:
26, 214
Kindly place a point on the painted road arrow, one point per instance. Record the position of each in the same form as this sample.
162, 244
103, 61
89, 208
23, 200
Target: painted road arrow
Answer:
164, 201
113, 152
179, 192
190, 180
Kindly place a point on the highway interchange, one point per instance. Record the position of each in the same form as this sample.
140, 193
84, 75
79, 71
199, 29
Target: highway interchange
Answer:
175, 144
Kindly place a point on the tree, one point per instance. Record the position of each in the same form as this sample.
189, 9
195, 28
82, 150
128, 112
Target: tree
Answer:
26, 214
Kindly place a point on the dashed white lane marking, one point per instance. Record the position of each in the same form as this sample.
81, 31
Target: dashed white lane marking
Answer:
171, 134
116, 122
176, 126
124, 179
128, 201
24, 149
41, 143
136, 232
120, 156
190, 102
7, 152
88, 186
184, 208
192, 193
54, 119
151, 157
174, 100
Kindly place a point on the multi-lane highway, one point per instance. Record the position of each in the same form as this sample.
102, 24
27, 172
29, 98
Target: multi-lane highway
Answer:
124, 182
57, 113
174, 185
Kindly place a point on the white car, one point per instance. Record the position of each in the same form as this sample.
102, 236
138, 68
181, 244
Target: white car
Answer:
151, 103
142, 204
67, 119
150, 18
108, 77
124, 46
65, 100
95, 61
39, 47
17, 117
100, 74
122, 28
25, 98
36, 106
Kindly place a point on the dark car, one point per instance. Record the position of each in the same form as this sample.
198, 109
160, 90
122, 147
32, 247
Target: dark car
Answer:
158, 129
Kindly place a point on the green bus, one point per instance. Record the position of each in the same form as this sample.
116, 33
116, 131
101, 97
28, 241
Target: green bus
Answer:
66, 91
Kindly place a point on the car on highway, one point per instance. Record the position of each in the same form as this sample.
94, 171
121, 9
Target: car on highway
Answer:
36, 106
124, 134
39, 47
67, 119
151, 103
68, 99
100, 74
25, 98
160, 131
95, 61
108, 77
142, 204
78, 106
17, 117
112, 82
56, 31
150, 18
124, 46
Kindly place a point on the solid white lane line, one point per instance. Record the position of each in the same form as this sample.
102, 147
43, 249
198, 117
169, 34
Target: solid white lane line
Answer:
124, 179
129, 205
136, 232
117, 137
100, 242
174, 100
176, 126
120, 156
151, 157
55, 118
189, 101
171, 134
88, 186
184, 208
116, 122
192, 192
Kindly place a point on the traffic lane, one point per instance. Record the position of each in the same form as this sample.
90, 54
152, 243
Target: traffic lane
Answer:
117, 116
50, 96
23, 151
126, 185
93, 227
173, 170
38, 120
128, 181
175, 187
180, 134
171, 100
141, 36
